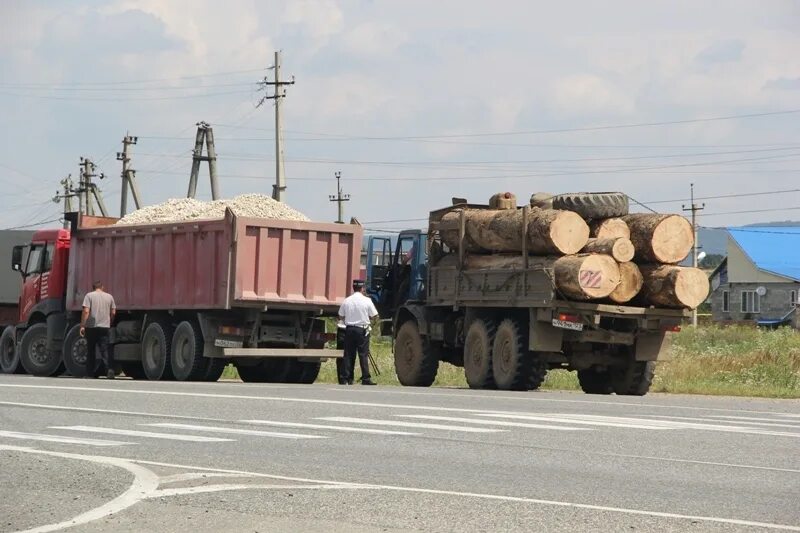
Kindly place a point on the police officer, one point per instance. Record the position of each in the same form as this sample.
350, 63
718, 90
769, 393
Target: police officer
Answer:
356, 312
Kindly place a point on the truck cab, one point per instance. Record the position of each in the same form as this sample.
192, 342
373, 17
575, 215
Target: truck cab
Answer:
396, 271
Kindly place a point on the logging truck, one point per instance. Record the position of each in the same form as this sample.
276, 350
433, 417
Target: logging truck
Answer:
471, 292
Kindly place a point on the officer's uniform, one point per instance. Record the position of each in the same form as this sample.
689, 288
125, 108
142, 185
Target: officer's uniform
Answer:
356, 312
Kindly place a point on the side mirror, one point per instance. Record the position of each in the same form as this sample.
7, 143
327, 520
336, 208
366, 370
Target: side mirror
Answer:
16, 258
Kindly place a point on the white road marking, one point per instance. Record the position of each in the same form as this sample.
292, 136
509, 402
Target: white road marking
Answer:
745, 422
237, 431
107, 411
494, 497
399, 423
367, 404
740, 418
60, 439
568, 419
145, 434
494, 422
324, 426
243, 486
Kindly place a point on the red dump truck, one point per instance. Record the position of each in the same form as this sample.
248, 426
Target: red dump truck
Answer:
191, 296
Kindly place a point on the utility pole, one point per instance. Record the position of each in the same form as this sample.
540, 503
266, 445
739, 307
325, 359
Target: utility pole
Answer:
67, 194
339, 198
205, 135
279, 188
87, 190
128, 176
694, 209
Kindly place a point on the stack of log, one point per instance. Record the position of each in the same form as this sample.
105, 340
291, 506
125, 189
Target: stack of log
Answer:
630, 258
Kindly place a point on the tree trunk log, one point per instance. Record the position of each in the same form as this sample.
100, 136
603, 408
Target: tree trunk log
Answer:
630, 284
620, 249
674, 286
660, 238
549, 231
609, 228
577, 277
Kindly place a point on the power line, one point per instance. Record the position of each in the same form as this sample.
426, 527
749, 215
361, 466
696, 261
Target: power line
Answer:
746, 230
752, 211
739, 195
132, 82
33, 224
117, 99
152, 88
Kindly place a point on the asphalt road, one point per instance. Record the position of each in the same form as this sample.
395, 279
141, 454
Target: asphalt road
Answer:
95, 455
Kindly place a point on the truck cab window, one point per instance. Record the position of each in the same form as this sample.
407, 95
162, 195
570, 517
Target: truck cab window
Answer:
34, 264
48, 257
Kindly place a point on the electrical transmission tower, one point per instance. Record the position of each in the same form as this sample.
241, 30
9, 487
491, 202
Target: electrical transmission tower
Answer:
128, 176
279, 188
339, 198
694, 209
205, 135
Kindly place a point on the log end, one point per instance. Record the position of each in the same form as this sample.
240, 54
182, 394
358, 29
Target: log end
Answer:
631, 281
691, 287
568, 232
623, 250
672, 239
610, 228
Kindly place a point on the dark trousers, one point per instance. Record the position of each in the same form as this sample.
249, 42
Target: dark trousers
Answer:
356, 341
97, 339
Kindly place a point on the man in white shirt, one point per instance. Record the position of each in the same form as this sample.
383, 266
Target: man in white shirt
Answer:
357, 312
98, 314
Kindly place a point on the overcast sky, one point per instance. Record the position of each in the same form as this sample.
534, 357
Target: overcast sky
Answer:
407, 99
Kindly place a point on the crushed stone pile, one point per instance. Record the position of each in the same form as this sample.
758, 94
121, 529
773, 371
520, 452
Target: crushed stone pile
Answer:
183, 209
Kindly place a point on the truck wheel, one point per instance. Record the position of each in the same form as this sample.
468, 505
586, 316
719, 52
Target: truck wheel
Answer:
34, 355
634, 379
537, 375
216, 366
594, 381
415, 365
188, 363
303, 372
9, 355
478, 354
156, 351
75, 352
511, 360
593, 205
133, 369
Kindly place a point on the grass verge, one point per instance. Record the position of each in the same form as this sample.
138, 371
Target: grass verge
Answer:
731, 360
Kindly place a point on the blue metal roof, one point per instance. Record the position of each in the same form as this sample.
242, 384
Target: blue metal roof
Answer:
775, 249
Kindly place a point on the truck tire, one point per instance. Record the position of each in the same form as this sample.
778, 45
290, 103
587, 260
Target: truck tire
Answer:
594, 381
414, 365
478, 354
133, 369
34, 355
593, 205
188, 363
216, 366
304, 372
634, 379
75, 352
252, 373
537, 375
9, 355
157, 351
511, 360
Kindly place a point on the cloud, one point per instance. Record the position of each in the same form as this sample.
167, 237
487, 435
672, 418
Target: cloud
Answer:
315, 20
721, 52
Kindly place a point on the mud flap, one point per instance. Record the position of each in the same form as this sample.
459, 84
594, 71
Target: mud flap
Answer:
653, 346
56, 330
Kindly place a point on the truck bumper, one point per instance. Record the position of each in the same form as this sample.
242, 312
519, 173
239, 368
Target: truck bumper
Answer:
301, 354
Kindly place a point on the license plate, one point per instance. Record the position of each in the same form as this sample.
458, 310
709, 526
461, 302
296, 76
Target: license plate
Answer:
563, 324
225, 343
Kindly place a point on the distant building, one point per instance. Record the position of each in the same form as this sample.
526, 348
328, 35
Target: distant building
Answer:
759, 281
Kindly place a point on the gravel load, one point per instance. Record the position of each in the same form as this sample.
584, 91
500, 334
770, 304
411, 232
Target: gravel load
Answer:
183, 209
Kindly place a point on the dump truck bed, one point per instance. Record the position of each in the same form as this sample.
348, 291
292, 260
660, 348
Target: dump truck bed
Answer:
216, 264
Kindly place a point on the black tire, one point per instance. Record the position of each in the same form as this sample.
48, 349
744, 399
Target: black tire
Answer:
594, 381
537, 375
593, 205
157, 350
34, 355
9, 355
478, 354
634, 379
511, 360
303, 372
188, 363
133, 369
415, 363
75, 352
216, 366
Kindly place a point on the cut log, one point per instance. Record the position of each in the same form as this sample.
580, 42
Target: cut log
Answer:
660, 238
577, 277
674, 286
609, 228
549, 231
620, 249
503, 200
630, 284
